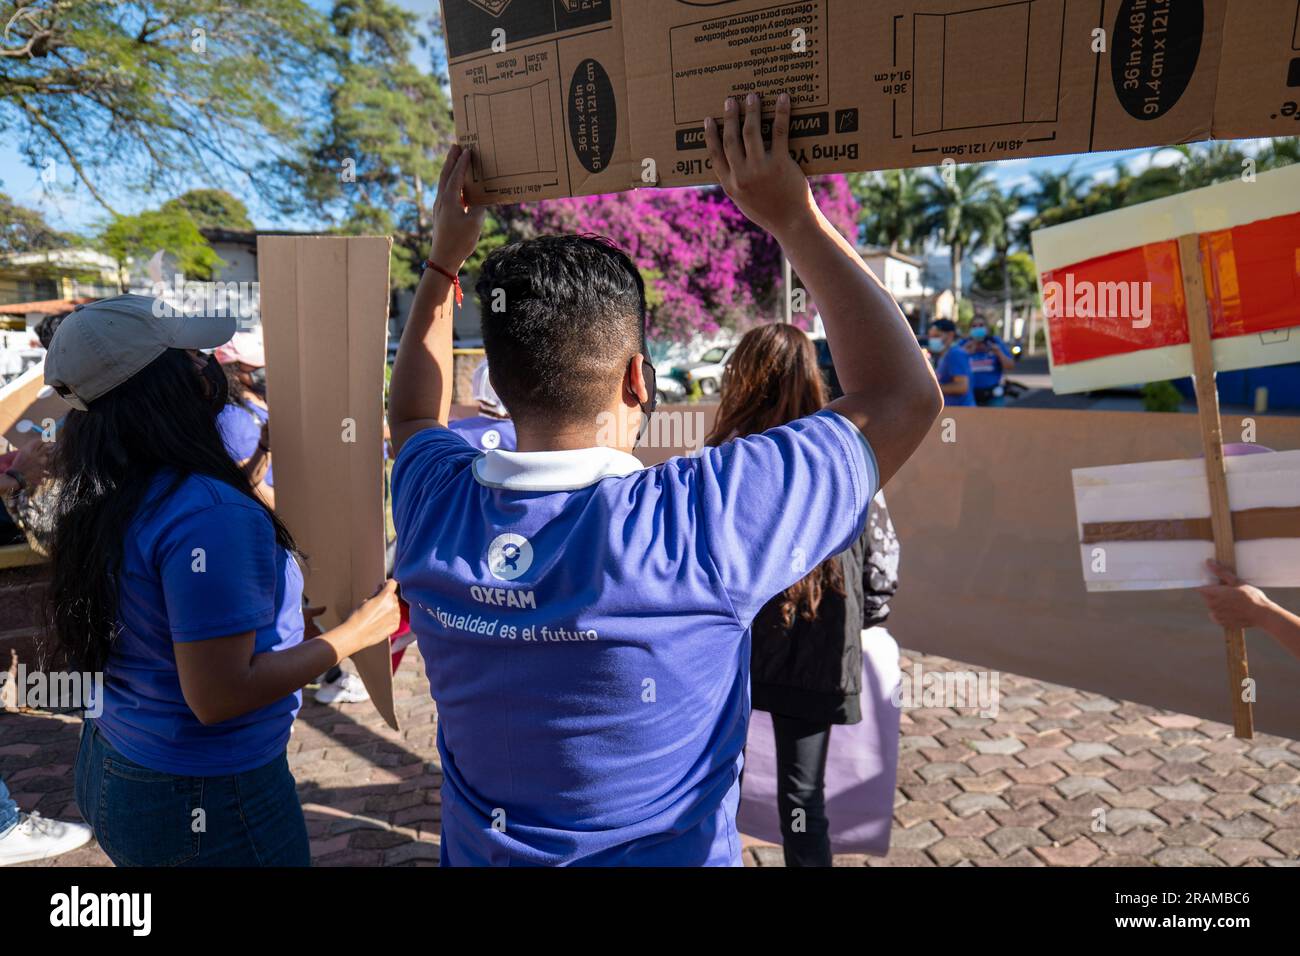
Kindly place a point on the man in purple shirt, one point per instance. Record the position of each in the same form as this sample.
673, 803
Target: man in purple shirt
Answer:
585, 620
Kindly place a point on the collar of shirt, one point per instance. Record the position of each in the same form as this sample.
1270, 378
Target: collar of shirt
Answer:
552, 470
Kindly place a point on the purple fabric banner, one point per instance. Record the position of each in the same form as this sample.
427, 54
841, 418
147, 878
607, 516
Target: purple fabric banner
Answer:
861, 769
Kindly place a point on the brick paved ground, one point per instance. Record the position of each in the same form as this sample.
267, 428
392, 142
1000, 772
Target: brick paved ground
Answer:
1018, 790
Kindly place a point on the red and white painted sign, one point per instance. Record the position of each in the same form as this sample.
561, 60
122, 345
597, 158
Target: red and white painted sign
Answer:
1112, 284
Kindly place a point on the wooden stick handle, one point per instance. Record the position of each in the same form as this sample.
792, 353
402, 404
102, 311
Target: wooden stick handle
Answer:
1207, 409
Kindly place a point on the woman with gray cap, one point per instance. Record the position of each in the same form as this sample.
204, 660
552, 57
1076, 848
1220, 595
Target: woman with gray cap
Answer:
176, 582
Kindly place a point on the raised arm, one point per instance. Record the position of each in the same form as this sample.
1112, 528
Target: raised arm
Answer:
419, 395
890, 391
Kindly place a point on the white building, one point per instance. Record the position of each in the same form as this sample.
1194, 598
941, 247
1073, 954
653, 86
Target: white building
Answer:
904, 276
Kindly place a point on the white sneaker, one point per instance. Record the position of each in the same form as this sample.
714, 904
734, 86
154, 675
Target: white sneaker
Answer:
36, 838
348, 689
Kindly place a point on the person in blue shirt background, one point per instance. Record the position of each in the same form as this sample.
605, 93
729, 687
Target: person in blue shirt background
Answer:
172, 578
990, 360
952, 364
584, 620
491, 427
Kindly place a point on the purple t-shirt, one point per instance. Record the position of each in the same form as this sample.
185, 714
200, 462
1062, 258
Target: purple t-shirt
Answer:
486, 433
585, 627
197, 564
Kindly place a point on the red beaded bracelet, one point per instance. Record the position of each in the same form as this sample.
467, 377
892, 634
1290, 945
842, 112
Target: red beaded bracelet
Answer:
455, 279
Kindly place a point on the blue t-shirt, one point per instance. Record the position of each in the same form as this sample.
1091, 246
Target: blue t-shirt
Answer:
986, 369
486, 433
585, 626
199, 563
240, 427
953, 364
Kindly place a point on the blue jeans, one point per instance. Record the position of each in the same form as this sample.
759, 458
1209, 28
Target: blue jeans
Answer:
144, 817
8, 810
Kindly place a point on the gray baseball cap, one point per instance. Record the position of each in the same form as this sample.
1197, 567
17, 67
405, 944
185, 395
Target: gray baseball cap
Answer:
102, 344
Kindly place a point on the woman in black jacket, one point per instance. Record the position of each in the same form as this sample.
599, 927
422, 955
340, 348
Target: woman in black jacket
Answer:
806, 661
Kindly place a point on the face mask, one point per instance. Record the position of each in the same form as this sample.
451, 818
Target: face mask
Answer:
647, 408
258, 376
936, 344
215, 384
979, 333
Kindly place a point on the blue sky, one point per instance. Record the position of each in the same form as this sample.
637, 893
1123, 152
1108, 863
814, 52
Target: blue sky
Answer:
72, 207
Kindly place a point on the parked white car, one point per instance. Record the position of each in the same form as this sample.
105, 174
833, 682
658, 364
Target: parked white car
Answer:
708, 370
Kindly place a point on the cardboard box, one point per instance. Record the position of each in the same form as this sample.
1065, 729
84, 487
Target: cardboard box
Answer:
876, 85
30, 409
1259, 79
325, 322
539, 88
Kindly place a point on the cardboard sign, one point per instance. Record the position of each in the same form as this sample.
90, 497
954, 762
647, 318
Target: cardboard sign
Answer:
1146, 527
28, 408
572, 97
325, 324
1113, 291
539, 88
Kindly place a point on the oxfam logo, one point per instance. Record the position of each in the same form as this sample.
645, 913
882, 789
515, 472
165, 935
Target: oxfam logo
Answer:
509, 556
491, 439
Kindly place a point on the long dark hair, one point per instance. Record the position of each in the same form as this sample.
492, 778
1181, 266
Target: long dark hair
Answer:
162, 418
773, 379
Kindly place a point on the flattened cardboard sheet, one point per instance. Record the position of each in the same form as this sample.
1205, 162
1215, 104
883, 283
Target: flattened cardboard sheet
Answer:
1140, 525
539, 89
570, 97
28, 407
325, 325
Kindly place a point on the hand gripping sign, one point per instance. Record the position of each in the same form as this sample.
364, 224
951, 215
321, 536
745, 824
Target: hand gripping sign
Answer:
1205, 281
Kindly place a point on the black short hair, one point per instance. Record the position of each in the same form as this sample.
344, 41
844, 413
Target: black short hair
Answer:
46, 328
944, 325
562, 316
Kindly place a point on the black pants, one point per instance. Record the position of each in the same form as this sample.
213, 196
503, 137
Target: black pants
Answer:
801, 748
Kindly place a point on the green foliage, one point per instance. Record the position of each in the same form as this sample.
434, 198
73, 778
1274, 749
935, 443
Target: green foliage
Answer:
171, 230
965, 313
156, 91
1021, 270
494, 237
388, 128
1161, 397
1064, 197
213, 209
893, 213
25, 230
959, 208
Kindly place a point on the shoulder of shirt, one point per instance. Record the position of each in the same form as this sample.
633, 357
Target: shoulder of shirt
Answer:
198, 493
435, 434
197, 496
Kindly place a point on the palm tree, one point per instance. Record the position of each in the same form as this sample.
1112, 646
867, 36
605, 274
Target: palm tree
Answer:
959, 212
1056, 189
892, 213
1005, 233
1281, 152
1211, 163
